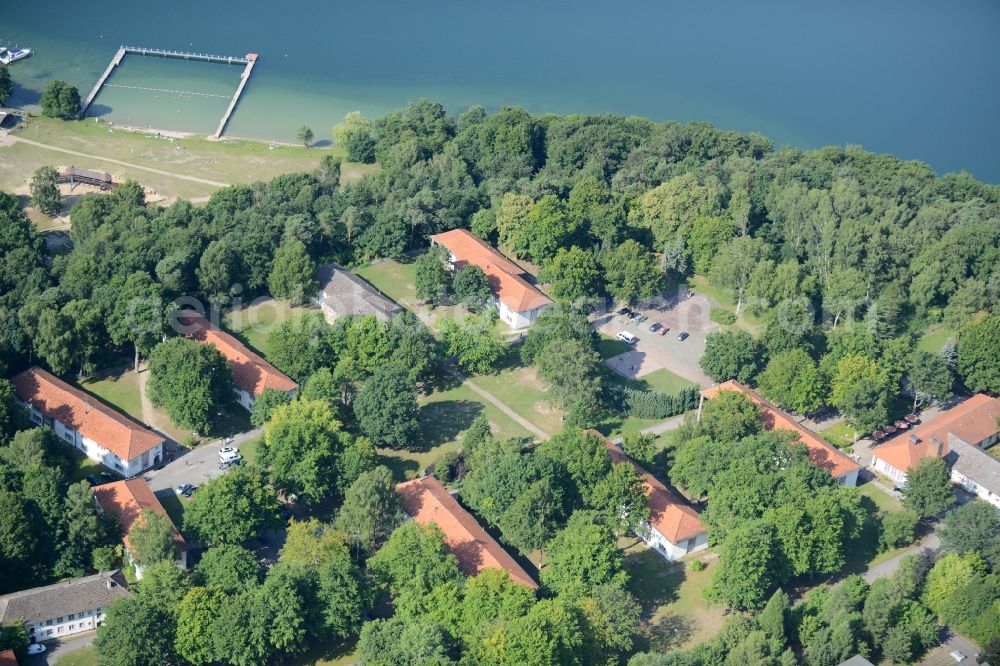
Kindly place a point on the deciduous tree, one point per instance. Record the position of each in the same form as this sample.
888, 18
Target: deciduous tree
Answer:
730, 355
371, 510
301, 450
232, 508
386, 408
928, 491
190, 380
45, 191
293, 273
471, 286
135, 632
60, 100
978, 362
152, 538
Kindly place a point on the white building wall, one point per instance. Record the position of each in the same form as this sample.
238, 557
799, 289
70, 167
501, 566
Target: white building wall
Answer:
96, 452
673, 551
973, 487
66, 625
890, 471
849, 479
244, 398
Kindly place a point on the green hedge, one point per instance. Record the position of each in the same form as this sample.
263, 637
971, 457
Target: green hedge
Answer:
653, 404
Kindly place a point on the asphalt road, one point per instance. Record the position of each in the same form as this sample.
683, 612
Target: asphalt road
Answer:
196, 466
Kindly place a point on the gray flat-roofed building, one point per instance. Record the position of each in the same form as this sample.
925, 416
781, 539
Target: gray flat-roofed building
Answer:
344, 293
976, 471
64, 608
857, 660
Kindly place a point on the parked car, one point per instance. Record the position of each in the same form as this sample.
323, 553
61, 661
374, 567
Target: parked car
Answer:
655, 327
183, 488
190, 491
93, 480
36, 648
625, 312
663, 331
682, 336
627, 338
226, 450
641, 318
959, 657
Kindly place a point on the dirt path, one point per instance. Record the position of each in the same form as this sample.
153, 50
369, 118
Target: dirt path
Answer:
171, 174
528, 425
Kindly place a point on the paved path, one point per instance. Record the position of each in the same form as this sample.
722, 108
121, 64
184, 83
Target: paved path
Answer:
196, 466
672, 423
60, 647
887, 568
193, 179
528, 425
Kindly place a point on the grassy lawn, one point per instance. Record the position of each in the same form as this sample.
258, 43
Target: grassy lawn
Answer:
675, 613
83, 657
885, 502
935, 339
174, 506
249, 450
522, 391
229, 161
661, 380
841, 435
118, 388
608, 346
702, 285
866, 553
254, 323
444, 416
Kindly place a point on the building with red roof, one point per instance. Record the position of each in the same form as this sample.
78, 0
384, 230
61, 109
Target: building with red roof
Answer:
87, 424
428, 502
821, 453
251, 373
517, 300
7, 658
972, 424
126, 500
674, 528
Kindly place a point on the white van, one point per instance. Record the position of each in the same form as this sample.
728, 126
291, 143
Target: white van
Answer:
230, 456
627, 338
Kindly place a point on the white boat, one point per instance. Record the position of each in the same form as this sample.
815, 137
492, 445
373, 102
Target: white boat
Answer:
8, 56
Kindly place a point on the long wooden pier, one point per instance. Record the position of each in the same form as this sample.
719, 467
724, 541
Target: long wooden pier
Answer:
249, 60
117, 60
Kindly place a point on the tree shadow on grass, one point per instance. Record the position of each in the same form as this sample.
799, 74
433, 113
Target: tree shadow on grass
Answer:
401, 468
444, 421
653, 581
867, 546
668, 633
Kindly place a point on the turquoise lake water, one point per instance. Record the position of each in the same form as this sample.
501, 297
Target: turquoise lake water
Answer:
917, 78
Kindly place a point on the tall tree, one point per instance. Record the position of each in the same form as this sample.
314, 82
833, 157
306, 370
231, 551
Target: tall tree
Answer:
631, 272
152, 538
747, 569
978, 362
474, 341
433, 278
135, 632
229, 568
571, 369
305, 135
929, 377
928, 489
302, 448
471, 286
60, 100
265, 404
574, 274
371, 510
386, 408
293, 273
621, 497
6, 85
196, 613
730, 355
792, 381
45, 191
583, 555
190, 380
232, 508
734, 264
972, 527
137, 313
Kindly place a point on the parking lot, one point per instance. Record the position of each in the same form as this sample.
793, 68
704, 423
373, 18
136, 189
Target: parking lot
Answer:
195, 467
652, 351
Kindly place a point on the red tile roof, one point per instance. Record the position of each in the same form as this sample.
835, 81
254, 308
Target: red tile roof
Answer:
972, 421
671, 517
126, 500
427, 501
78, 410
250, 372
821, 453
505, 276
7, 658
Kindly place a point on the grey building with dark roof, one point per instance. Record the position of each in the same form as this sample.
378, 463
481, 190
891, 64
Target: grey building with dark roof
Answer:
975, 470
64, 608
344, 293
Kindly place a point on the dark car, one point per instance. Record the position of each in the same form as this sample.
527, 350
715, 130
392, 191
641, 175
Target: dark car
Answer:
655, 327
682, 336
93, 480
624, 311
189, 491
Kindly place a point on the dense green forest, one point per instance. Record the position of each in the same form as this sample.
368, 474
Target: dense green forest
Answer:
808, 243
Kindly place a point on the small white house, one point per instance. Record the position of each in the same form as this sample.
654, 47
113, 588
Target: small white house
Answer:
518, 302
674, 528
86, 424
66, 608
976, 471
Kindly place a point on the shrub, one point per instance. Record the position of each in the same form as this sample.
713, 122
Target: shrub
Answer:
722, 316
653, 404
444, 467
697, 565
898, 529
